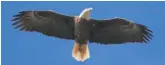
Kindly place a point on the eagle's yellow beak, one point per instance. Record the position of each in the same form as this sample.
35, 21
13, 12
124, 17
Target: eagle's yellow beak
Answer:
90, 9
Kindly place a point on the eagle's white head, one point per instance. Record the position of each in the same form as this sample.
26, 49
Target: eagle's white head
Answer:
85, 13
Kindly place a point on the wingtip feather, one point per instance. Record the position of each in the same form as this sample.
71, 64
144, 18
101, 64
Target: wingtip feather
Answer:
146, 33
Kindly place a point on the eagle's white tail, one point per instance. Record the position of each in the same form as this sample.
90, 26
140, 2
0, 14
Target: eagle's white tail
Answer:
80, 52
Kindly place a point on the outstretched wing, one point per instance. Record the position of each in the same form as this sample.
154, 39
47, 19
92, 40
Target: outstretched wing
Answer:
46, 22
117, 31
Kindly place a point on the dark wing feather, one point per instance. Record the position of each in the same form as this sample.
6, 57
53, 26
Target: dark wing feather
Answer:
117, 31
46, 22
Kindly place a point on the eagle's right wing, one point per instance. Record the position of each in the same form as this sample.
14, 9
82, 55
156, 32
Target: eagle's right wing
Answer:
117, 31
46, 22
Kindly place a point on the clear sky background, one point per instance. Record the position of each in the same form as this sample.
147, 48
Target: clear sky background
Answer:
32, 48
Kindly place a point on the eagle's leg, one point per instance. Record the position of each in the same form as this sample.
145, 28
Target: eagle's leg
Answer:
80, 51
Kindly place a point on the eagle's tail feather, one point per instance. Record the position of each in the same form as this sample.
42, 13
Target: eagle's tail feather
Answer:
80, 52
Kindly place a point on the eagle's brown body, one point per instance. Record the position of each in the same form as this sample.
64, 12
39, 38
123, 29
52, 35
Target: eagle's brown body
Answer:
82, 35
82, 29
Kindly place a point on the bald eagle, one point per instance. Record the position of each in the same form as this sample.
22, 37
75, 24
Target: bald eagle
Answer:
82, 29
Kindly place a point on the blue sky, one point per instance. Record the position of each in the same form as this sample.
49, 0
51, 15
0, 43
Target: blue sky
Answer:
32, 48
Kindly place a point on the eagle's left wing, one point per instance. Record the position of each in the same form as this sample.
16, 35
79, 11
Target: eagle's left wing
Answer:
46, 22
